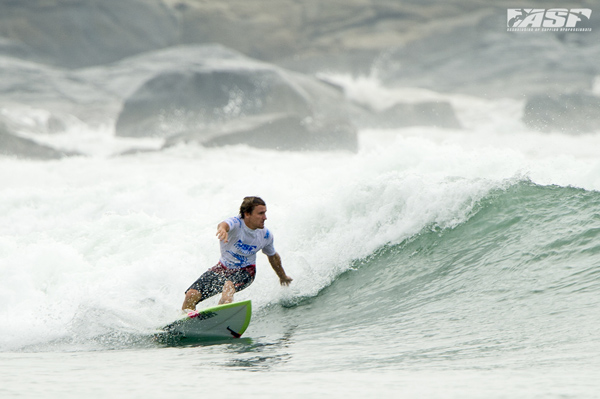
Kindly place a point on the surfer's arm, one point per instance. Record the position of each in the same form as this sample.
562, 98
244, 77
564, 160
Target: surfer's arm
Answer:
275, 261
222, 231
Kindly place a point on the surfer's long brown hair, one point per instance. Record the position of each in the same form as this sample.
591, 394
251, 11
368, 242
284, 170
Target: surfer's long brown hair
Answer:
249, 203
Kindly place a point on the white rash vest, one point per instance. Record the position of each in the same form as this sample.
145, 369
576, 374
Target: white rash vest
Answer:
244, 243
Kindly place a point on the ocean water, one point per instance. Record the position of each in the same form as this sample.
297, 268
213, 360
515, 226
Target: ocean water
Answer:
432, 264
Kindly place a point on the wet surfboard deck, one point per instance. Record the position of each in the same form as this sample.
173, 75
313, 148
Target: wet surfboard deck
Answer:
223, 321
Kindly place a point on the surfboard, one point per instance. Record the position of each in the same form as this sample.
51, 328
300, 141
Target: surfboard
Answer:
223, 321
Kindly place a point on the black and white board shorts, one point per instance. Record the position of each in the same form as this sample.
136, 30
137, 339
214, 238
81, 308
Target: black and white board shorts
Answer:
212, 281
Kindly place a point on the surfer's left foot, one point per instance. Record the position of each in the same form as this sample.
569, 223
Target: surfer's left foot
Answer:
192, 313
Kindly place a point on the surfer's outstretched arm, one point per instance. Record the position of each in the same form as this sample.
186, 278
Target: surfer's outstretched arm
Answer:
222, 232
275, 261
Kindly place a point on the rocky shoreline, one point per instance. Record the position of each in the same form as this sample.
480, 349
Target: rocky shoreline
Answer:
142, 64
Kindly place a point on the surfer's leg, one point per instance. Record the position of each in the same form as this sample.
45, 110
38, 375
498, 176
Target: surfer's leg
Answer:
236, 281
228, 291
208, 284
192, 297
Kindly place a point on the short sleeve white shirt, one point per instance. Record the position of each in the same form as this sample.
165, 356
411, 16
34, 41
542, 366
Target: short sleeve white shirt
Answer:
244, 243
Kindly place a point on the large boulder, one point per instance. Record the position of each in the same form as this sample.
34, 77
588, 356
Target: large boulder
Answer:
180, 100
202, 100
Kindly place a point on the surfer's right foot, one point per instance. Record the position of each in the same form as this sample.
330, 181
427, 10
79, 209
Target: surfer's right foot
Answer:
188, 311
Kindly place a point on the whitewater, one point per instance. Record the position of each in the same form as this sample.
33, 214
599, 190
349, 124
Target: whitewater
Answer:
431, 263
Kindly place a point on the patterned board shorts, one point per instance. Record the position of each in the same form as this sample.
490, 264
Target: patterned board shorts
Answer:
212, 281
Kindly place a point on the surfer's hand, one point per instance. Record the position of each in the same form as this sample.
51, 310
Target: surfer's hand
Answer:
222, 234
285, 280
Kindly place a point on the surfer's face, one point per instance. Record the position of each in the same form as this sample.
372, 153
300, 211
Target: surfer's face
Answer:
256, 219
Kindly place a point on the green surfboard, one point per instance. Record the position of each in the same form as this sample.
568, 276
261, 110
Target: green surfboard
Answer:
223, 321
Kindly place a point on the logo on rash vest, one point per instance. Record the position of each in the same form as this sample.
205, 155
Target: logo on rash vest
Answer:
242, 260
245, 248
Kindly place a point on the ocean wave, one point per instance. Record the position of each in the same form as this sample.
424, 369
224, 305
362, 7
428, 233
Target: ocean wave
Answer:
520, 244
126, 236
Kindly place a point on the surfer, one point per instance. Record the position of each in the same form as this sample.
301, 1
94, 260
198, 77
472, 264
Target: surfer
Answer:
241, 237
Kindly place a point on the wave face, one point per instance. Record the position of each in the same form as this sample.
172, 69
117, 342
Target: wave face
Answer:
518, 279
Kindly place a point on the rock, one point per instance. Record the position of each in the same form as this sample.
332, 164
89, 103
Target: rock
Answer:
79, 33
176, 90
436, 114
59, 92
14, 145
175, 101
477, 56
568, 113
216, 90
433, 113
12, 48
94, 95
460, 47
55, 124
274, 131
